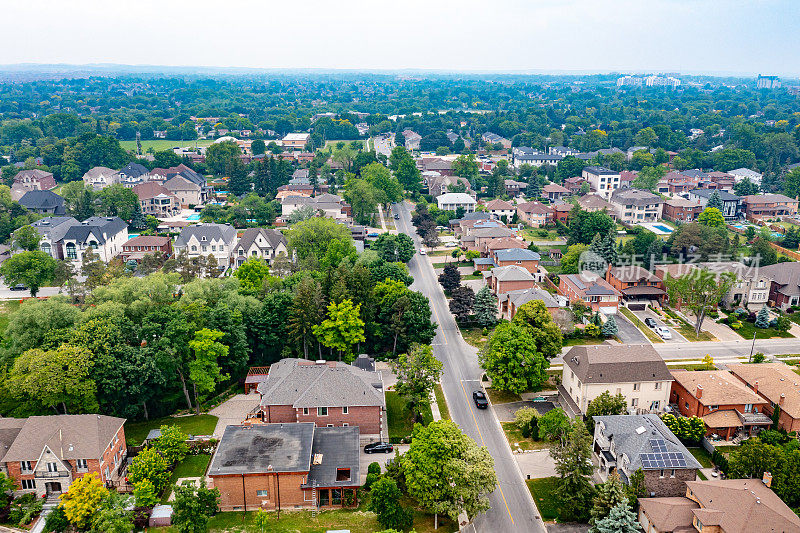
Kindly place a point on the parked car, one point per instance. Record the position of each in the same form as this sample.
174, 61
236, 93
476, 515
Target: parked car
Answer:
480, 399
378, 447
650, 322
396, 216
19, 287
450, 245
423, 252
663, 332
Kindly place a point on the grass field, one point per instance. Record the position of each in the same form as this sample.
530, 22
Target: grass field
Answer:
163, 144
581, 342
444, 410
748, 328
475, 336
516, 440
639, 324
333, 144
542, 491
400, 421
135, 432
500, 396
702, 457
191, 466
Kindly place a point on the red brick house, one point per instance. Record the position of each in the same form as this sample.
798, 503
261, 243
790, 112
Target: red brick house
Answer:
327, 393
517, 256
35, 180
724, 403
535, 214
561, 212
636, 283
45, 454
681, 210
775, 382
509, 278
590, 289
286, 466
784, 279
574, 184
142, 245
768, 205
503, 243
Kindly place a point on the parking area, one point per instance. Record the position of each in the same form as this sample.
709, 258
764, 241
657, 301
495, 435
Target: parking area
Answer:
627, 332
381, 458
505, 411
676, 337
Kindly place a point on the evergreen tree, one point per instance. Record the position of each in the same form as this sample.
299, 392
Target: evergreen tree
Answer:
714, 201
572, 456
654, 253
138, 220
608, 495
610, 328
485, 308
762, 319
620, 520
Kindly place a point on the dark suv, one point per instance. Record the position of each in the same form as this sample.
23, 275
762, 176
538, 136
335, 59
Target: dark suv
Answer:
480, 399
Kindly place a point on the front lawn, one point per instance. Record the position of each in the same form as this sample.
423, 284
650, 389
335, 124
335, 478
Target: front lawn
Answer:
516, 440
543, 492
748, 328
501, 396
400, 420
581, 342
136, 432
475, 336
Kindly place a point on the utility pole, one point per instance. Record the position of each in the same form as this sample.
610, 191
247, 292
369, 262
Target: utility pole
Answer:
752, 347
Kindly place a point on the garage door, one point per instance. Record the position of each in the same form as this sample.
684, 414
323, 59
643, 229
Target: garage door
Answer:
637, 307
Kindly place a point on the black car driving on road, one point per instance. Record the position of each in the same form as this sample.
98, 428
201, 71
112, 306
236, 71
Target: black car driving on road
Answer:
378, 447
480, 399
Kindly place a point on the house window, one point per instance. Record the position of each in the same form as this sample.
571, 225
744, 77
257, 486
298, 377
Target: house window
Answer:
714, 407
342, 474
52, 467
205, 248
661, 473
329, 425
25, 466
345, 425
81, 464
655, 405
194, 248
634, 402
262, 493
636, 386
305, 411
71, 252
672, 473
213, 247
108, 473
28, 484
322, 411
748, 408
658, 385
345, 410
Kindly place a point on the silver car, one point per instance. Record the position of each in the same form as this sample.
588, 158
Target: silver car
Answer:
663, 332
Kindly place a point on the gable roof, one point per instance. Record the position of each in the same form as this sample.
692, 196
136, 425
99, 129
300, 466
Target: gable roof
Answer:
302, 383
534, 207
719, 387
68, 436
504, 243
179, 183
220, 232
555, 188
134, 170
40, 200
101, 227
706, 193
512, 273
635, 197
494, 232
272, 236
96, 172
516, 254
54, 228
787, 275
777, 382
617, 364
499, 205
522, 296
592, 201
630, 273
150, 189
148, 240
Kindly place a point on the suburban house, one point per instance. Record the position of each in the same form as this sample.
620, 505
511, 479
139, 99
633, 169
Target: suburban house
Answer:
494, 138
35, 180
768, 205
326, 393
207, 239
133, 174
602, 180
165, 175
104, 235
740, 174
325, 204
502, 243
412, 139
45, 454
627, 443
263, 243
561, 212
52, 231
574, 184
508, 278
681, 210
44, 202
777, 383
554, 191
514, 188
592, 203
784, 290
187, 192
730, 202
451, 201
636, 283
156, 200
563, 150
510, 302
719, 506
636, 371
634, 205
751, 288
286, 466
592, 290
522, 257
438, 184
295, 141
725, 404
483, 236
500, 208
535, 214
101, 177
436, 164
137, 247
528, 156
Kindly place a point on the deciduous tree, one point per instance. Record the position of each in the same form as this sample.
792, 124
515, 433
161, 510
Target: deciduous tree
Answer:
83, 499
204, 370
699, 291
512, 360
33, 269
342, 329
417, 371
385, 502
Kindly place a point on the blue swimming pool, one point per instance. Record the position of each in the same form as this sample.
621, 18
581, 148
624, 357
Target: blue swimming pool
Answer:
193, 217
665, 229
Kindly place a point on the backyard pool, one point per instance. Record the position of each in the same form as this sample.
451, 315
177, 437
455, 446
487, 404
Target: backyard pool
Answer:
658, 229
193, 217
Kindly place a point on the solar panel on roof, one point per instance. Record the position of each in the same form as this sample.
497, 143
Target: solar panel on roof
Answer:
658, 445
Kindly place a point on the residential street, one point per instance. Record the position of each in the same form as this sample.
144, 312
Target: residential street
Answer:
512, 505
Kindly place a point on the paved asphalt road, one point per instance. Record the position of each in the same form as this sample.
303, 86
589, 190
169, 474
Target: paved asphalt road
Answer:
512, 508
8, 294
383, 145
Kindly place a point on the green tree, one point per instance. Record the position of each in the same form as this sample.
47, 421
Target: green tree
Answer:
446, 472
607, 496
760, 251
620, 520
610, 328
342, 329
583, 225
485, 308
251, 275
394, 248
636, 488
144, 494
512, 360
762, 318
527, 420
715, 201
604, 405
711, 217
33, 269
149, 465
746, 188
791, 183
385, 502
572, 456
461, 302
689, 429
554, 425
172, 444
417, 372
387, 186
450, 278
7, 487
315, 236
117, 201
538, 321
219, 156
569, 261
113, 515
193, 507
258, 147
26, 238
699, 291
306, 312
82, 500
138, 220
204, 370
466, 166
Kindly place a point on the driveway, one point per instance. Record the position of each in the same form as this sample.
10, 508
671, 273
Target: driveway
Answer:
381, 458
505, 411
233, 411
647, 313
629, 333
536, 464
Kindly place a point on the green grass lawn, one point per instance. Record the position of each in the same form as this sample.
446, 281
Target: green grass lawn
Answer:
691, 367
333, 144
440, 266
400, 421
530, 234
501, 396
687, 330
748, 328
444, 410
582, 342
191, 466
135, 432
516, 440
650, 334
543, 492
702, 457
163, 144
475, 336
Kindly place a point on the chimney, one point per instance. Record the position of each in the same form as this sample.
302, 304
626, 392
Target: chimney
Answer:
781, 400
767, 479
699, 392
755, 386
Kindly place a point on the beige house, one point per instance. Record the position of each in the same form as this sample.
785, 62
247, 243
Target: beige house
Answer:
500, 208
187, 192
635, 371
634, 205
101, 177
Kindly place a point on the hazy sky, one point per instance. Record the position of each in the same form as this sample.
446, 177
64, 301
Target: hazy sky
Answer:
741, 36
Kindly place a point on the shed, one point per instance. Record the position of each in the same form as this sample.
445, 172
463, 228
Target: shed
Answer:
161, 516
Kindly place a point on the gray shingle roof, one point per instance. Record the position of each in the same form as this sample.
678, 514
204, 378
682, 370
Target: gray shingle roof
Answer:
635, 197
54, 228
339, 448
523, 296
223, 232
517, 254
102, 228
134, 170
512, 273
706, 193
617, 364
41, 200
272, 236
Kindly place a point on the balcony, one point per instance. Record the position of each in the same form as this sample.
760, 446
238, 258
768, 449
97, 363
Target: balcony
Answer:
50, 474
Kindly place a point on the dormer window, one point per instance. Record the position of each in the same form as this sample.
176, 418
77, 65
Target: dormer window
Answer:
203, 238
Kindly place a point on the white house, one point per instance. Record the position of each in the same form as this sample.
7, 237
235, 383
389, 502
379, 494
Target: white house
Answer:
101, 177
741, 173
451, 201
104, 235
262, 243
634, 205
602, 180
208, 239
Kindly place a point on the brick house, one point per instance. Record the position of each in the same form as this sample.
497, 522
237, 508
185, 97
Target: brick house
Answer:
535, 214
724, 403
503, 243
593, 202
509, 278
784, 291
590, 289
483, 236
636, 283
157, 200
500, 208
627, 443
573, 185
681, 210
730, 202
45, 454
514, 188
141, 245
554, 191
34, 180
769, 205
511, 301
777, 384
286, 466
561, 212
517, 256
327, 393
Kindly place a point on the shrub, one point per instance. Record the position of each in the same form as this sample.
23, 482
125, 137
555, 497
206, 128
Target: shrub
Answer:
527, 421
372, 478
374, 468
